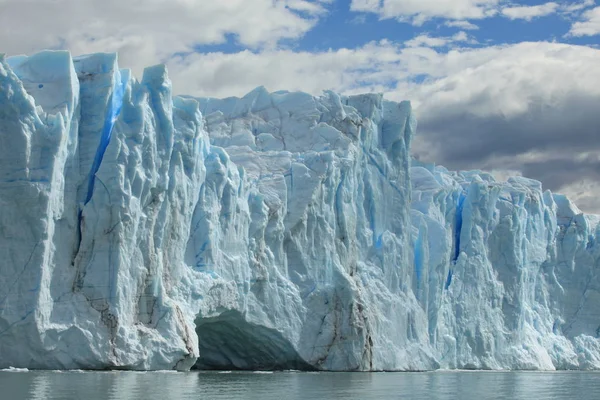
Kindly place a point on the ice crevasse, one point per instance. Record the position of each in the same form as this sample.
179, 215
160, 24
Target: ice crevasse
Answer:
139, 230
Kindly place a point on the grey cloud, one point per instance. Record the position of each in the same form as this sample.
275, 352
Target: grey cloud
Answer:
466, 140
558, 146
579, 178
558, 173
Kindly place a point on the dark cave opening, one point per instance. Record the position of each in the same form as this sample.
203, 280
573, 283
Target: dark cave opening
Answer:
229, 342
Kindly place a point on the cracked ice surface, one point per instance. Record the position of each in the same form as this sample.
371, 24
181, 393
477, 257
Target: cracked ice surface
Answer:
280, 230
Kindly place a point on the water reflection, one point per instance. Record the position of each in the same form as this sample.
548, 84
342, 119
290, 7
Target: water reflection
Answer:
40, 387
289, 385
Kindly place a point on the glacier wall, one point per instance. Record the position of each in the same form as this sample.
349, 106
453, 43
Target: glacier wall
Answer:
279, 230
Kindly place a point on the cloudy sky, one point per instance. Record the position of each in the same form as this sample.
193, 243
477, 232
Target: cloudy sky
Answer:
506, 86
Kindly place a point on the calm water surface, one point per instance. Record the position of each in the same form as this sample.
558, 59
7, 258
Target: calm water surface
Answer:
300, 385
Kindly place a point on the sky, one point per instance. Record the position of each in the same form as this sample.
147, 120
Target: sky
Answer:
511, 87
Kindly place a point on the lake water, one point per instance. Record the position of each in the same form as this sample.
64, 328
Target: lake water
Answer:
298, 385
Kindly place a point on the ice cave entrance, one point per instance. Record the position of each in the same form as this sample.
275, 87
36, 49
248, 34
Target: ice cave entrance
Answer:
229, 342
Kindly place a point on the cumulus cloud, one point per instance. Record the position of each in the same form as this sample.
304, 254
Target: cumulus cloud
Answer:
456, 13
589, 24
432, 41
370, 67
577, 6
150, 31
530, 12
466, 25
419, 11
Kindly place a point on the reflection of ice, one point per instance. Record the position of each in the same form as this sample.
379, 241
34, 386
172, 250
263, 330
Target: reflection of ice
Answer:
122, 386
40, 386
126, 385
464, 385
535, 385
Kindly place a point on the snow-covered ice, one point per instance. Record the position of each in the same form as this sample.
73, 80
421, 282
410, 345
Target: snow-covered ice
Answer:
275, 231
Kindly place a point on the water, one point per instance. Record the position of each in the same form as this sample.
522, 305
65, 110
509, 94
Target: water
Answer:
50, 385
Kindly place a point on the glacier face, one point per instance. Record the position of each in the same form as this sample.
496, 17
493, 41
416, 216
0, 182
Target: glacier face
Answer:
279, 230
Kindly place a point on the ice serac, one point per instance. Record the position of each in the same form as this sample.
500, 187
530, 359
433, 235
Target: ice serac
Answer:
275, 231
522, 286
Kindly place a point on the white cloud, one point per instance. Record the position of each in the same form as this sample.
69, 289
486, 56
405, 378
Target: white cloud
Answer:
575, 7
502, 175
221, 75
460, 37
509, 78
506, 80
418, 11
150, 31
374, 66
589, 26
358, 20
529, 12
429, 41
365, 5
461, 24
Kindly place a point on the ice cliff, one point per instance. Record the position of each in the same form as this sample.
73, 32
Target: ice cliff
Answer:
279, 230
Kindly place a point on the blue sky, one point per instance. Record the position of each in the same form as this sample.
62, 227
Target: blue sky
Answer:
512, 87
343, 28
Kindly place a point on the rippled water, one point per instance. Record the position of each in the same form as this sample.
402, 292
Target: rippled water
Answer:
301, 385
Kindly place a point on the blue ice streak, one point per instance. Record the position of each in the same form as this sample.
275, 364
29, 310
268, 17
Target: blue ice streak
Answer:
112, 113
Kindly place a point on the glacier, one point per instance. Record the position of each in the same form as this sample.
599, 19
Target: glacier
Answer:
141, 230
